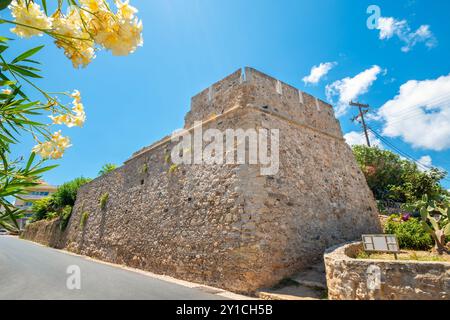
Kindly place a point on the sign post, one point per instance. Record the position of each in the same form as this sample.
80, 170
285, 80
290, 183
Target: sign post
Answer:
387, 243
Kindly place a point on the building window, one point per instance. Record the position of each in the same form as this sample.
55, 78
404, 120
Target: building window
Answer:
39, 193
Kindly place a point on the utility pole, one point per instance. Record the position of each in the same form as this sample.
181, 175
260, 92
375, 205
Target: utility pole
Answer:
361, 114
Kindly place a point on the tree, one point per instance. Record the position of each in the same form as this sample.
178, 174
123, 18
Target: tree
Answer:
381, 168
59, 204
416, 184
392, 178
41, 208
66, 194
86, 27
106, 168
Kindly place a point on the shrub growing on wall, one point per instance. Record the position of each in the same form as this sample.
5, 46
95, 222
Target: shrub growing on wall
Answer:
84, 218
65, 217
107, 168
67, 192
104, 200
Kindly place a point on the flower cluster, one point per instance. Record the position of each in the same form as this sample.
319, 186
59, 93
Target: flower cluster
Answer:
31, 20
54, 147
121, 32
82, 28
74, 119
72, 37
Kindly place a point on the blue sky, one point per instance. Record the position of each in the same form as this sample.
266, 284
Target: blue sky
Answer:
188, 44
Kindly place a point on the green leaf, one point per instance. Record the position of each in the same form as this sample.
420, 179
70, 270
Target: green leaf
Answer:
44, 5
423, 214
427, 228
7, 83
447, 230
30, 161
434, 223
4, 4
31, 61
27, 54
24, 72
4, 39
3, 48
41, 170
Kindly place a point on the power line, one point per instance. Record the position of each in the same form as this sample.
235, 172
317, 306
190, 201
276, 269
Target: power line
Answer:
413, 112
403, 153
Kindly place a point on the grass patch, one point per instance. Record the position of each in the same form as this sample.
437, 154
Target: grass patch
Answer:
104, 200
167, 158
144, 168
84, 218
173, 168
410, 255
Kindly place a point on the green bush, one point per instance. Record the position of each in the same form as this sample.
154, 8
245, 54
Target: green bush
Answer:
67, 192
410, 233
41, 208
51, 215
390, 177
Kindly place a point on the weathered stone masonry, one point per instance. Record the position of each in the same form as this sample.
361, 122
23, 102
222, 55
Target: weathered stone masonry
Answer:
227, 225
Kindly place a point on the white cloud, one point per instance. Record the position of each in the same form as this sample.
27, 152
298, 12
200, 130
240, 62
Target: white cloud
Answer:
357, 138
389, 27
317, 72
420, 114
426, 163
351, 88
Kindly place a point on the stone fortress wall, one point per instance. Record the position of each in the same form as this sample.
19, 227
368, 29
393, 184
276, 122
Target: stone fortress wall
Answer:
228, 225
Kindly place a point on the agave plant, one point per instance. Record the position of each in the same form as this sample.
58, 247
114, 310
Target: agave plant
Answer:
435, 215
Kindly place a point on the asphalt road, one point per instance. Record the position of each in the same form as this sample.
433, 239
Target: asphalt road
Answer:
31, 271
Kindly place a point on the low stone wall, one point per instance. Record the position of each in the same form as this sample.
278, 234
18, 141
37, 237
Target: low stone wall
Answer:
46, 232
400, 280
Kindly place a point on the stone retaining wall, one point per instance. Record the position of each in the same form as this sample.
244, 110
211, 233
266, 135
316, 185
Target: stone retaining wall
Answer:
44, 232
400, 280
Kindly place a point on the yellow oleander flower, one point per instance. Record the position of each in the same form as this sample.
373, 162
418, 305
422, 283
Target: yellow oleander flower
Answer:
60, 119
93, 6
31, 16
122, 37
74, 119
76, 95
79, 116
6, 91
121, 33
125, 10
76, 42
53, 148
